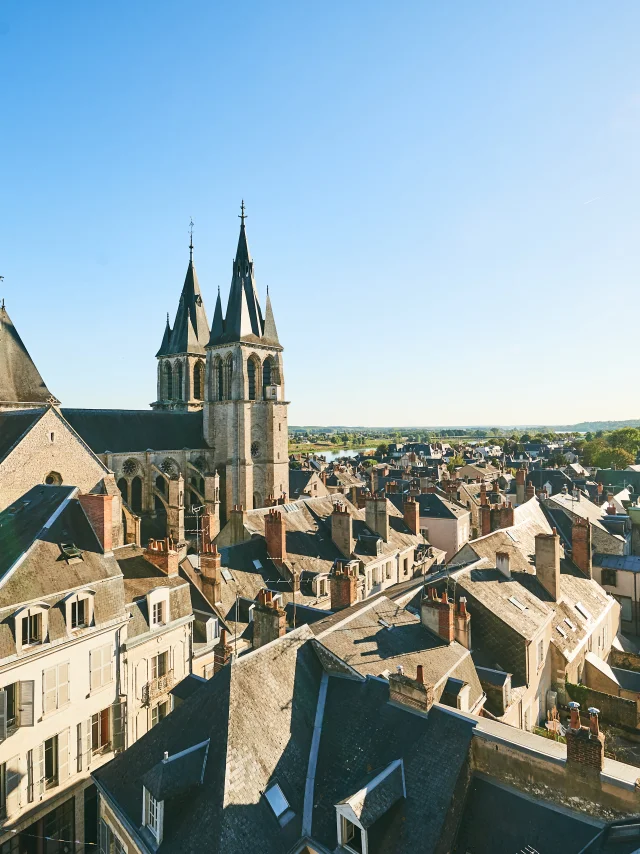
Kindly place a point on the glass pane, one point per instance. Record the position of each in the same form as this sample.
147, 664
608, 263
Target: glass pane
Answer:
277, 800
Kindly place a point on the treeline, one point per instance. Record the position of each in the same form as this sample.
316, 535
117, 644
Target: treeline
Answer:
615, 449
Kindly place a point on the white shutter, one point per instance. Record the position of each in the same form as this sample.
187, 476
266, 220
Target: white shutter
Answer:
26, 693
63, 756
13, 786
118, 724
87, 745
49, 689
63, 685
79, 748
107, 665
3, 715
96, 668
30, 788
40, 786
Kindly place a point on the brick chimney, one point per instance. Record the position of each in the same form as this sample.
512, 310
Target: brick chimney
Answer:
548, 563
585, 745
342, 530
501, 517
437, 614
521, 475
463, 624
343, 586
161, 553
581, 545
413, 693
269, 620
503, 564
483, 494
412, 515
530, 491
377, 516
484, 517
210, 574
276, 536
221, 652
99, 511
236, 525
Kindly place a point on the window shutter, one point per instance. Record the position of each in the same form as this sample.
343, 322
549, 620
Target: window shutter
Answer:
63, 685
63, 756
41, 769
30, 791
26, 692
87, 744
49, 689
96, 668
104, 837
118, 711
13, 786
107, 664
3, 715
79, 747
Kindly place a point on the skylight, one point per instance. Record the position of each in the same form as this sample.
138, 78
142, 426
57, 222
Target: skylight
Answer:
226, 574
518, 604
385, 624
257, 564
561, 631
569, 623
277, 801
582, 610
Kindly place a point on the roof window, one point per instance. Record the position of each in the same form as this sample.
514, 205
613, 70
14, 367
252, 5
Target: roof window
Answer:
582, 610
570, 624
561, 631
226, 574
517, 603
257, 564
70, 551
279, 804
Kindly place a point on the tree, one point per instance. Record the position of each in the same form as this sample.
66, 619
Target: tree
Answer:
615, 458
382, 450
628, 438
369, 463
454, 463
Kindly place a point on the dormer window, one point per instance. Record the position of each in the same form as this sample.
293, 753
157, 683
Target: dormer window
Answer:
153, 815
79, 609
158, 608
158, 616
359, 812
31, 626
32, 629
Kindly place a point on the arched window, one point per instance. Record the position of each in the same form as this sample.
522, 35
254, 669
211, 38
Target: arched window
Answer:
123, 486
251, 377
217, 378
198, 380
267, 372
179, 393
228, 376
168, 381
136, 495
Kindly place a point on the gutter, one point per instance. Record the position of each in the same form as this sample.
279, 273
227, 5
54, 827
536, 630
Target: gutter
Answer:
307, 815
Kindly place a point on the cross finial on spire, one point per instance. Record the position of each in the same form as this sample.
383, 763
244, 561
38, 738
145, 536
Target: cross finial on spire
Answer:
191, 240
242, 215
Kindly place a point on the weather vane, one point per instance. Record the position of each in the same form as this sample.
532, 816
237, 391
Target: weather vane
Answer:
242, 215
191, 237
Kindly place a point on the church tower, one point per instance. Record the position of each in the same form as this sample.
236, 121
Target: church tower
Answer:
245, 412
182, 354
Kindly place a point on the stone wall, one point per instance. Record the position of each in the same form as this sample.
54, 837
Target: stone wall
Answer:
613, 710
626, 660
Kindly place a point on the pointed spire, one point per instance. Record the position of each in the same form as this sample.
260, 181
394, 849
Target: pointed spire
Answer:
217, 327
20, 380
270, 331
165, 347
190, 332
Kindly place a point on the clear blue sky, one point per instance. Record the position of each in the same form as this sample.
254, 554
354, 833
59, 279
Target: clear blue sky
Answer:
443, 197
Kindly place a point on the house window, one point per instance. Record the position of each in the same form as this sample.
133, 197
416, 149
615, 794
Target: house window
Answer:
100, 731
32, 629
159, 665
55, 688
79, 614
153, 814
101, 666
609, 578
12, 695
110, 843
159, 713
51, 762
157, 617
351, 836
626, 613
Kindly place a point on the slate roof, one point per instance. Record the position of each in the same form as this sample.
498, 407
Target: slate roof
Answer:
556, 477
437, 507
371, 802
14, 425
20, 380
176, 775
190, 333
127, 430
584, 508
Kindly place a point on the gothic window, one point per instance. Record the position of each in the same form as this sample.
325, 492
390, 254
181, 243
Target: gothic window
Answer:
198, 380
266, 372
217, 379
168, 381
130, 467
123, 486
228, 375
136, 495
252, 368
170, 467
255, 449
179, 392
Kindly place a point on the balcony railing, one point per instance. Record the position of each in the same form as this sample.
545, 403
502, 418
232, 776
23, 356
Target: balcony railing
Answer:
158, 686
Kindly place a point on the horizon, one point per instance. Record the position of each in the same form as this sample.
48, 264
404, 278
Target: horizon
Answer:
442, 202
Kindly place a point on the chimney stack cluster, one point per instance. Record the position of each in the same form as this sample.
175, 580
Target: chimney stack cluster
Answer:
210, 573
437, 614
99, 511
548, 563
221, 652
409, 692
276, 536
343, 585
342, 530
162, 553
377, 516
585, 745
269, 619
412, 515
581, 545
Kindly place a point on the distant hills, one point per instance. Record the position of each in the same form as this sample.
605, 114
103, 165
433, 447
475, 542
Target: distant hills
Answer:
581, 427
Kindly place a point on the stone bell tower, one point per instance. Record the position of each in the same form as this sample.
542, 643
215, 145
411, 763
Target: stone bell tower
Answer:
245, 412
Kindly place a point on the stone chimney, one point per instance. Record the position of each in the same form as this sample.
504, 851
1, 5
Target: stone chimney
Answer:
483, 494
438, 615
521, 475
412, 515
585, 745
501, 517
548, 563
269, 620
377, 516
413, 693
581, 545
343, 585
342, 530
463, 624
236, 525
210, 574
161, 553
530, 491
502, 564
222, 652
99, 511
276, 536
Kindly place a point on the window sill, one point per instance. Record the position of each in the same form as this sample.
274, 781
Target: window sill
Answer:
94, 691
46, 715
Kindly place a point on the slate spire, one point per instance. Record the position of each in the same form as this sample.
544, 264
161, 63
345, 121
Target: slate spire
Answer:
217, 327
20, 380
166, 340
190, 333
270, 331
244, 319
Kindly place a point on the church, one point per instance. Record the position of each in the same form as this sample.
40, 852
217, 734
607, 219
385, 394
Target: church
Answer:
215, 437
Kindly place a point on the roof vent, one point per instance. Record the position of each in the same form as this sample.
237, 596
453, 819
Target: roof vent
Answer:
70, 551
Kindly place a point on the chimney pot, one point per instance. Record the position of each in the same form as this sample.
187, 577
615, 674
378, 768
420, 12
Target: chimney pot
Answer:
594, 729
574, 708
